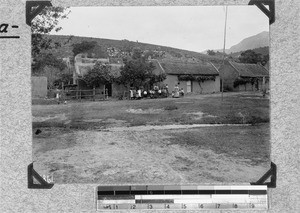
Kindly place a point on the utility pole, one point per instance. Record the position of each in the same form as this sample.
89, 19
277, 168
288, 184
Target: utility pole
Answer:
222, 86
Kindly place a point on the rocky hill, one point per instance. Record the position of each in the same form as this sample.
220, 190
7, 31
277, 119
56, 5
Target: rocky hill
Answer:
253, 42
256, 42
116, 49
260, 50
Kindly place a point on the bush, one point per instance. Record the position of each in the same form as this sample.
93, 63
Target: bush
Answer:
51, 94
171, 107
227, 89
243, 81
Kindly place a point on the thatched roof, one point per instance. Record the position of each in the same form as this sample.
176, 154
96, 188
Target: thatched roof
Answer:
249, 70
267, 66
158, 68
83, 68
188, 68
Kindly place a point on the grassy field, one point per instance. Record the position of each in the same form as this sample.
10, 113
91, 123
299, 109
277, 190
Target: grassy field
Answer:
102, 141
234, 109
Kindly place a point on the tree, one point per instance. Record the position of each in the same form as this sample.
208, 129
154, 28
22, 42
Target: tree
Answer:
97, 52
49, 66
127, 46
134, 73
154, 78
266, 58
83, 47
42, 24
99, 75
91, 48
137, 54
65, 78
211, 52
250, 57
47, 59
138, 72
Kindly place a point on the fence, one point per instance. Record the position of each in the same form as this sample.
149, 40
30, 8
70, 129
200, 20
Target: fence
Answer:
79, 94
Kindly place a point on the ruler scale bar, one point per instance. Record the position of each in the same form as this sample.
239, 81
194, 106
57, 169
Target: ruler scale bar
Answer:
155, 201
182, 197
256, 192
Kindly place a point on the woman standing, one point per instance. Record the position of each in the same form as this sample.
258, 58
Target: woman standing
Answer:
176, 91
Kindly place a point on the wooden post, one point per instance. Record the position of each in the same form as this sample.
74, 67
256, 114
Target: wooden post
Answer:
104, 92
80, 95
222, 86
224, 49
94, 92
62, 92
76, 94
264, 86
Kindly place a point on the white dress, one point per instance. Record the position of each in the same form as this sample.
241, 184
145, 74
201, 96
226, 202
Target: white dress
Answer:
131, 93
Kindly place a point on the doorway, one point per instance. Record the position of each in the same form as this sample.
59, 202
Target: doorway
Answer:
109, 89
188, 86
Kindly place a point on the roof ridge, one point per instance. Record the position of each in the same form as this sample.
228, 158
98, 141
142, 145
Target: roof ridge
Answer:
230, 62
160, 66
185, 62
250, 70
264, 67
214, 67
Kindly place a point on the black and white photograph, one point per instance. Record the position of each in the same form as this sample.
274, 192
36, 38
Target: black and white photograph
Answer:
151, 95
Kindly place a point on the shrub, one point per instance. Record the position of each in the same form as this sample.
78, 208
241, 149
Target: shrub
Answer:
243, 81
171, 107
227, 89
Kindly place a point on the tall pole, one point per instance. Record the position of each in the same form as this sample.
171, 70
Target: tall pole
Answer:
224, 48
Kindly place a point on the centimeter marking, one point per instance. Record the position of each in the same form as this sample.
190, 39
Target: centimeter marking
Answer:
181, 197
154, 189
178, 206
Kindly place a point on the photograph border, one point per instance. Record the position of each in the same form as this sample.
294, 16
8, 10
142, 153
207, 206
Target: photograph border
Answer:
16, 130
33, 8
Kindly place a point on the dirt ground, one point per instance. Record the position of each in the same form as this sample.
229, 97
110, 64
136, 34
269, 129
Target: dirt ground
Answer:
171, 153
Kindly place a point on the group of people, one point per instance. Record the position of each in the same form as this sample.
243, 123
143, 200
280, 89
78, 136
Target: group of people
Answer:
155, 92
177, 92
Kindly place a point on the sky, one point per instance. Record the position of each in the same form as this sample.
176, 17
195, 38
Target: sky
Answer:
195, 28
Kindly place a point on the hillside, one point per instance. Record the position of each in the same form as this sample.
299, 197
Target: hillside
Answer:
256, 42
253, 42
118, 48
260, 50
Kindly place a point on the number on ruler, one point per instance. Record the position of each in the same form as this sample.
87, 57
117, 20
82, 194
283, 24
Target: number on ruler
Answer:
116, 206
201, 206
150, 206
184, 206
167, 206
107, 207
252, 205
218, 205
133, 206
235, 205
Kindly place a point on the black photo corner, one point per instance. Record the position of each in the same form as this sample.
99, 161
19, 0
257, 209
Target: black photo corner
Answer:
269, 12
272, 174
32, 174
33, 8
